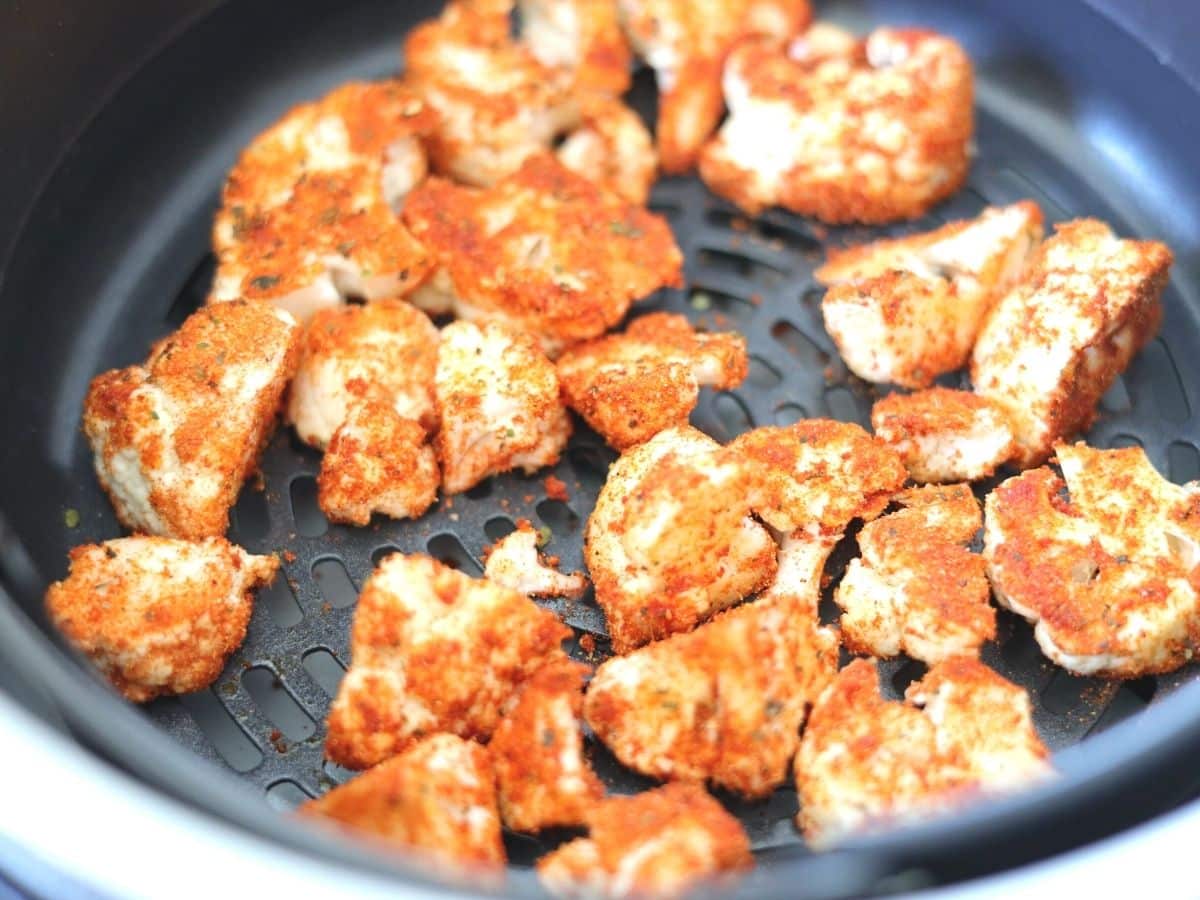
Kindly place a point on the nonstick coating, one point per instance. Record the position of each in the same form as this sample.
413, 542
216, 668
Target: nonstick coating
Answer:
115, 254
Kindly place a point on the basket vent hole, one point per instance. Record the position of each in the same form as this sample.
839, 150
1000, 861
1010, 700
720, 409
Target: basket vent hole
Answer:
191, 296
1116, 400
306, 513
276, 702
1183, 462
251, 516
337, 774
720, 303
498, 527
1117, 441
379, 554
778, 232
281, 603
799, 345
325, 669
333, 581
285, 795
590, 465
913, 670
789, 413
1065, 692
481, 491
733, 415
1126, 702
738, 264
1156, 375
448, 549
558, 516
844, 406
222, 730
762, 374
1021, 651
812, 297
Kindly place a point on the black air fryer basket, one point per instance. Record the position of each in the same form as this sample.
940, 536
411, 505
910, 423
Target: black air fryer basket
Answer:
119, 121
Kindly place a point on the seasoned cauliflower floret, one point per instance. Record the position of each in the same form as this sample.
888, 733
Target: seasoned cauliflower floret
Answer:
438, 798
612, 148
544, 250
309, 214
671, 541
497, 104
726, 701
917, 589
816, 474
686, 44
660, 843
433, 650
498, 403
631, 386
160, 457
515, 563
907, 310
543, 777
1055, 343
386, 352
378, 461
944, 435
1109, 578
866, 763
158, 615
583, 36
869, 131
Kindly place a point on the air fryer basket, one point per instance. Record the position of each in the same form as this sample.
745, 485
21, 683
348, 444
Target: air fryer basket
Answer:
114, 252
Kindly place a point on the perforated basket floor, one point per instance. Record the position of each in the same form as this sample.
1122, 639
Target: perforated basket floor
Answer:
264, 716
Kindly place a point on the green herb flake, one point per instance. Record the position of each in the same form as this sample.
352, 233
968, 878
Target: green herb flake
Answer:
510, 433
71, 518
544, 535
345, 247
701, 301
773, 708
624, 229
547, 737
329, 216
264, 282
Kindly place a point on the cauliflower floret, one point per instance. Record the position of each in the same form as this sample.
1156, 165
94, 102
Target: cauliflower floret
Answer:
583, 36
907, 310
498, 403
386, 352
869, 131
433, 650
309, 214
816, 474
671, 541
726, 701
1054, 344
686, 44
166, 468
631, 386
866, 763
944, 435
378, 461
917, 589
438, 797
1110, 578
612, 148
515, 562
497, 104
543, 777
544, 250
158, 615
659, 843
